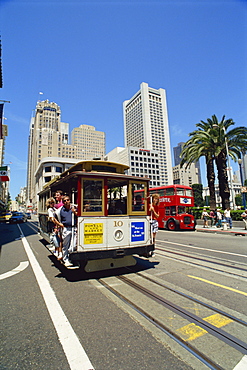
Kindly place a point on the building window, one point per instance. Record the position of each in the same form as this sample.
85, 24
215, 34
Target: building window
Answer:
47, 178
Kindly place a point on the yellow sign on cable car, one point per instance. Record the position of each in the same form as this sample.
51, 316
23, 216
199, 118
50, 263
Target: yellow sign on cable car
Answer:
93, 233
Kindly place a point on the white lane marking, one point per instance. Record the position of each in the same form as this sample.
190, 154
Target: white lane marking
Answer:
76, 355
203, 249
242, 365
22, 266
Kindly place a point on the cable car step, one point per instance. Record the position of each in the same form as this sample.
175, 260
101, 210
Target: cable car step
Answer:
109, 263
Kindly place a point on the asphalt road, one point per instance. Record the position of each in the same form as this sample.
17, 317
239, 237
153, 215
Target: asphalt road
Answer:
46, 308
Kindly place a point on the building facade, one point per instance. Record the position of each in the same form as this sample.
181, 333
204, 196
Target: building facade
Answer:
194, 171
188, 176
4, 185
49, 168
146, 127
89, 143
141, 162
176, 152
48, 137
236, 190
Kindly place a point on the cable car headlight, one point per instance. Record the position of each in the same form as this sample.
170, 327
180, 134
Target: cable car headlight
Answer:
118, 235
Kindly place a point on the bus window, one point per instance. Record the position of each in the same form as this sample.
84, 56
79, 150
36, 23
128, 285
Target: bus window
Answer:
188, 192
180, 191
161, 192
181, 209
169, 191
167, 211
173, 210
92, 195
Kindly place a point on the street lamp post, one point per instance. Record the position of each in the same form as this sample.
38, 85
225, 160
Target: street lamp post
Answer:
242, 182
228, 160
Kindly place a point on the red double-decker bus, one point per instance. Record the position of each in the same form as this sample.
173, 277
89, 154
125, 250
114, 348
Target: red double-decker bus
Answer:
174, 209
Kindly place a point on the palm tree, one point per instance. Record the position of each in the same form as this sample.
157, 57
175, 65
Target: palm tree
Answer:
230, 143
200, 144
212, 141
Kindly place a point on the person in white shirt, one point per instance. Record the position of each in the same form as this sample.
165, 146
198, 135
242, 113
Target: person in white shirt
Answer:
219, 218
228, 218
205, 217
244, 215
53, 228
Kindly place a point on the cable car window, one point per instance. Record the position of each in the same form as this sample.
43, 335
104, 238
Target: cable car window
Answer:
117, 197
92, 195
137, 198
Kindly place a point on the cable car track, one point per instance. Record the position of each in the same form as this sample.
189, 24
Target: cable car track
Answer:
236, 319
203, 259
218, 333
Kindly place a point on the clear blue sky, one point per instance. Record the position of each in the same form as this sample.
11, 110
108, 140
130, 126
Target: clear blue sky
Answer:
90, 56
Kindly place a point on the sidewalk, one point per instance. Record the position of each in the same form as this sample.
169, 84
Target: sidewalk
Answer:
237, 228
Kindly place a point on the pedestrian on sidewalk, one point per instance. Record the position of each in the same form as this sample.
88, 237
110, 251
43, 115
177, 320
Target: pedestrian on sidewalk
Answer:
219, 218
212, 215
205, 216
244, 215
228, 218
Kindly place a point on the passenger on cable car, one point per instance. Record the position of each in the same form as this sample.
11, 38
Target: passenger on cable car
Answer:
138, 205
86, 207
59, 203
53, 228
118, 207
59, 198
67, 217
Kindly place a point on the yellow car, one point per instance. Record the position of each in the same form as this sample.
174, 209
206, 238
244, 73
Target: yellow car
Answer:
4, 217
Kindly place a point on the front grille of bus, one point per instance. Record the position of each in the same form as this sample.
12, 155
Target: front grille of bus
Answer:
187, 220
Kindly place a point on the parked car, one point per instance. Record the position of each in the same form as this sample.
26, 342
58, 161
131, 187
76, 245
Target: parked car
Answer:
28, 214
5, 216
18, 217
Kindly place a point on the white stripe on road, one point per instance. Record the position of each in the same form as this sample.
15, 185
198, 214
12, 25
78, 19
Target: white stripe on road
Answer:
22, 266
202, 249
242, 365
76, 355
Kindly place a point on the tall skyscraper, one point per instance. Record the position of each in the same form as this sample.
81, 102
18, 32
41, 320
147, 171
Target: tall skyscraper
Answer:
89, 143
146, 126
48, 137
196, 167
177, 151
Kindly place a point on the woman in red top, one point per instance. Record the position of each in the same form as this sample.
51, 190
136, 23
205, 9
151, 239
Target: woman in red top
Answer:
154, 209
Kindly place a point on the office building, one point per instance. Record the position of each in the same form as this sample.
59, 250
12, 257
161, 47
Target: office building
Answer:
4, 185
146, 127
89, 143
141, 162
186, 176
48, 137
194, 172
177, 151
50, 168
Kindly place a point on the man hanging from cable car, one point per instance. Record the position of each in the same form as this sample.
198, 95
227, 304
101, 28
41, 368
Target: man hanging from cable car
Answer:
67, 217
